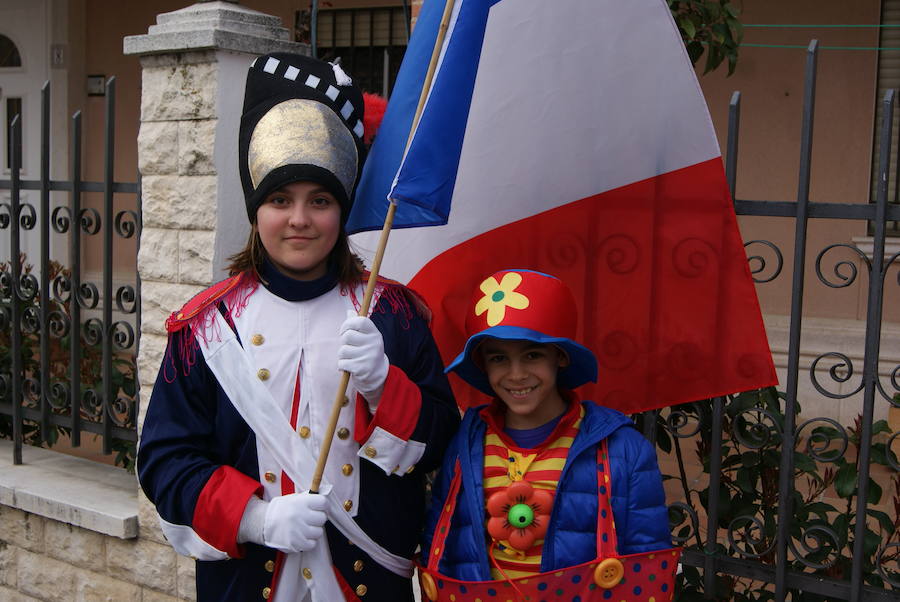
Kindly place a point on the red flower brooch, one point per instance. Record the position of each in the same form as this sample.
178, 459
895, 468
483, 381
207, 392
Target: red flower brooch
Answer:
519, 515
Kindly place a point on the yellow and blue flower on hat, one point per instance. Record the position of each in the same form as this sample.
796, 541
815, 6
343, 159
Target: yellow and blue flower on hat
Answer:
500, 295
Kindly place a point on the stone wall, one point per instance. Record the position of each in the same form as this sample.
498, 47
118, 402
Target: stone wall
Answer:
179, 189
44, 559
175, 261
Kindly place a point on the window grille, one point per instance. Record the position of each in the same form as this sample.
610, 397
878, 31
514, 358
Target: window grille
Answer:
370, 42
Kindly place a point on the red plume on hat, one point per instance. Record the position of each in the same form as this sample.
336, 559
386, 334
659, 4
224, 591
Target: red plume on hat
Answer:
375, 108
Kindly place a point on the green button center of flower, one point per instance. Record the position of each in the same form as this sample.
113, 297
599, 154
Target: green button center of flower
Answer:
520, 516
498, 296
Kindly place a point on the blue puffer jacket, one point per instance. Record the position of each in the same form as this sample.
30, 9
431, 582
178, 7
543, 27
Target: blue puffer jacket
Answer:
638, 500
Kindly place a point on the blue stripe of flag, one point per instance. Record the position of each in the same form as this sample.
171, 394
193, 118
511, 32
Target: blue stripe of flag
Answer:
425, 182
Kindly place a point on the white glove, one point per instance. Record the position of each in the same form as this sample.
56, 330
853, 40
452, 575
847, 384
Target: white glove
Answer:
294, 523
362, 355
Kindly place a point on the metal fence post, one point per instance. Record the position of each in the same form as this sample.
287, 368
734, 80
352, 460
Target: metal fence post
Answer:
15, 155
45, 261
873, 343
107, 396
786, 471
75, 282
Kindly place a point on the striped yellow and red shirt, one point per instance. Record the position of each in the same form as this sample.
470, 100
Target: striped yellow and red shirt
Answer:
505, 463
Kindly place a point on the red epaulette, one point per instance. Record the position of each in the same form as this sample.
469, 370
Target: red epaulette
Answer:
199, 302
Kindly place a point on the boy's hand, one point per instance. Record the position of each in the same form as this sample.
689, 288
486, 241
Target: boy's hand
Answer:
362, 355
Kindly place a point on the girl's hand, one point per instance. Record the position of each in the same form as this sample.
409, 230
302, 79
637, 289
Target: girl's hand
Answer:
362, 355
295, 522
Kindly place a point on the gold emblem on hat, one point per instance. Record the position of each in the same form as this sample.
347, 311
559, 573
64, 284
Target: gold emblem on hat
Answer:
302, 132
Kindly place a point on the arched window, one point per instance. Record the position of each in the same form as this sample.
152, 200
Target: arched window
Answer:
9, 54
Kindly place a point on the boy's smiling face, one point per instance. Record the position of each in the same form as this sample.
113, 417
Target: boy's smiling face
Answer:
523, 375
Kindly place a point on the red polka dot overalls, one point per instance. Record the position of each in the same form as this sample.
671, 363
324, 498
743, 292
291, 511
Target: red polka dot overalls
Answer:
646, 577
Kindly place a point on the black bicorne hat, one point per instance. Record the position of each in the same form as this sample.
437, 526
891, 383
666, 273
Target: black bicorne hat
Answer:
302, 120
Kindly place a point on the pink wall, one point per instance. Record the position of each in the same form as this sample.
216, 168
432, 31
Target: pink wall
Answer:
771, 84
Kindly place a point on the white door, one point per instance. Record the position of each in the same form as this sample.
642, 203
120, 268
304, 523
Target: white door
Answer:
23, 27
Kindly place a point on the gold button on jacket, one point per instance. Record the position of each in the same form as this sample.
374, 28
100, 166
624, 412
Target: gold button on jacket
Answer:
270, 566
343, 433
263, 374
348, 505
304, 431
307, 573
267, 591
371, 452
358, 566
257, 339
347, 469
361, 590
270, 477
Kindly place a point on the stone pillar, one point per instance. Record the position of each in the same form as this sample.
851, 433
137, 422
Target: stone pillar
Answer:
194, 62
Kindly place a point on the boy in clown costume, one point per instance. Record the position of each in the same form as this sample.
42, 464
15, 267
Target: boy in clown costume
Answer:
538, 481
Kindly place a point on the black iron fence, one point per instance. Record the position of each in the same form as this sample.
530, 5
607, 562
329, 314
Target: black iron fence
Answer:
761, 525
67, 345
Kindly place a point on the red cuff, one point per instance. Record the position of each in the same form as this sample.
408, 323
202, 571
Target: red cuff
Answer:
220, 507
398, 410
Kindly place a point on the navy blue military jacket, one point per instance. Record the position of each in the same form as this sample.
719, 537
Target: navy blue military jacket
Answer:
199, 462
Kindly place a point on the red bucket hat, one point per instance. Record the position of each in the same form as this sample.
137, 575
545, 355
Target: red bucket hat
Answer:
525, 305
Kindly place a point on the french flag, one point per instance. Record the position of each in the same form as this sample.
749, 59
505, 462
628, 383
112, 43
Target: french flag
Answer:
570, 137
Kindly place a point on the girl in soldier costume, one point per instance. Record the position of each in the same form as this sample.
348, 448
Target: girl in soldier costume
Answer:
243, 397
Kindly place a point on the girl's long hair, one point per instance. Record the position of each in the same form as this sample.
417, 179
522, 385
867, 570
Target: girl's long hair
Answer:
349, 266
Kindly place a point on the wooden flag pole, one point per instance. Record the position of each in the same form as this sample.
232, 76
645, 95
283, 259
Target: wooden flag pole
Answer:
379, 255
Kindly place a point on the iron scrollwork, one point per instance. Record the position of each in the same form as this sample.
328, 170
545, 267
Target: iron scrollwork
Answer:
824, 542
890, 577
126, 299
755, 434
841, 371
92, 403
27, 216
122, 410
683, 424
31, 390
123, 335
88, 296
58, 324
61, 219
5, 212
127, 223
90, 221
843, 279
761, 264
61, 288
753, 537
681, 515
59, 395
819, 443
